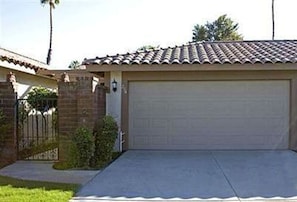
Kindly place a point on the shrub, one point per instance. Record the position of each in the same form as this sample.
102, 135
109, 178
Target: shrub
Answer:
82, 148
105, 134
4, 127
42, 99
63, 165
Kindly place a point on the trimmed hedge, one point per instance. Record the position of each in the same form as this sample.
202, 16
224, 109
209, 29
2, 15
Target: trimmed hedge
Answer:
92, 149
105, 133
82, 148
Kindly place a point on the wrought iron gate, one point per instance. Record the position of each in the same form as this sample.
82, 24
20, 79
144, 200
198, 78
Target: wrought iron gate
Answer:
37, 129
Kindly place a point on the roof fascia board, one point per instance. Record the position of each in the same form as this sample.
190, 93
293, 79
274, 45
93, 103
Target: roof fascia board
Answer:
193, 67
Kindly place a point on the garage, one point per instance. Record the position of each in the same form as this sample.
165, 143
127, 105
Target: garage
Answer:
208, 95
214, 115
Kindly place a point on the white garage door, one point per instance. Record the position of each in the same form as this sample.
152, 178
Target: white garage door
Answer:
209, 115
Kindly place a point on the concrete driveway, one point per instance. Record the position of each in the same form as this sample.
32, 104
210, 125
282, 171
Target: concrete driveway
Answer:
196, 175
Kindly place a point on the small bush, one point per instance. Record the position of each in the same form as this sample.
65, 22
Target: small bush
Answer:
62, 165
105, 134
82, 148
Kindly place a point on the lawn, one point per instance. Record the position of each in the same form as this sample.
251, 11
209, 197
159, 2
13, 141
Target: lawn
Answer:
15, 190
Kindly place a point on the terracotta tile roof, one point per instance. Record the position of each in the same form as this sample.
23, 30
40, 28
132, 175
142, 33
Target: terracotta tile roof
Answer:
242, 52
18, 59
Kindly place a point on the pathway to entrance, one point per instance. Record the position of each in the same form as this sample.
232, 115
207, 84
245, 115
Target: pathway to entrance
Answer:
43, 171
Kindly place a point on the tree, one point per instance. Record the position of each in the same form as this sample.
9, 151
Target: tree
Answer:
222, 29
74, 64
147, 47
199, 33
52, 4
273, 25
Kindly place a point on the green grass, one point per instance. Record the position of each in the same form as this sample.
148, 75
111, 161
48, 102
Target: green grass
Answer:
15, 190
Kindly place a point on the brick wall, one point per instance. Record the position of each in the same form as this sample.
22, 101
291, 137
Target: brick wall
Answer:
8, 98
80, 103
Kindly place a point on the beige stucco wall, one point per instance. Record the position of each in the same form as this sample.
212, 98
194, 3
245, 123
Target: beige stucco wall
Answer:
25, 81
290, 75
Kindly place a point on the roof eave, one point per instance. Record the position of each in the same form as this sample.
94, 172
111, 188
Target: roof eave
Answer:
192, 67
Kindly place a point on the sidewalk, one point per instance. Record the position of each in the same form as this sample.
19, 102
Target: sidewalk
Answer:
43, 171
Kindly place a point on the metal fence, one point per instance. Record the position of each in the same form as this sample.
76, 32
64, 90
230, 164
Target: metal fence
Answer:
37, 129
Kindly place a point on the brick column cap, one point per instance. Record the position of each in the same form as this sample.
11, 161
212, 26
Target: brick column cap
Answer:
10, 77
65, 77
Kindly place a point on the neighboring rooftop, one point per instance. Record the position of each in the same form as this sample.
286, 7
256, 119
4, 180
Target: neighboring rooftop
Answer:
18, 59
241, 52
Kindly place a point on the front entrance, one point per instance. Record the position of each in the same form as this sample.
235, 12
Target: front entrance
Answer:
37, 129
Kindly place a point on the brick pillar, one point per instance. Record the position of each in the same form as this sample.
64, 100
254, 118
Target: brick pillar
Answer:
85, 102
8, 98
100, 101
80, 103
67, 115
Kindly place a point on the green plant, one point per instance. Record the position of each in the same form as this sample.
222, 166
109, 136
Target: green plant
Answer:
105, 134
4, 127
42, 99
62, 165
82, 148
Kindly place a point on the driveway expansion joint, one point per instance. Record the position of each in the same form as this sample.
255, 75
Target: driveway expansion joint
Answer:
225, 176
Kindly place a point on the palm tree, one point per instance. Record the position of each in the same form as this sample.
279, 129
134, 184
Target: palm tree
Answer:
273, 25
52, 4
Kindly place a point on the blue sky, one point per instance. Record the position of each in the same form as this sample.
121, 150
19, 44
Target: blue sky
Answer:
89, 28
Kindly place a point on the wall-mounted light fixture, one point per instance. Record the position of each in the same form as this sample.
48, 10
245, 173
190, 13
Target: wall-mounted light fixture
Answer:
114, 85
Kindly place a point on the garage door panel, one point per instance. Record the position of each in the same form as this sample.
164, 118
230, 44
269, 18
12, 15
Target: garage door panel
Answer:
209, 115
158, 140
219, 125
185, 140
266, 89
179, 124
159, 123
141, 105
140, 123
158, 107
140, 141
277, 142
267, 108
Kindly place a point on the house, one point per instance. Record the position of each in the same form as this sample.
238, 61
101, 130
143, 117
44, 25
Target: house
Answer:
31, 73
18, 75
204, 95
25, 70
